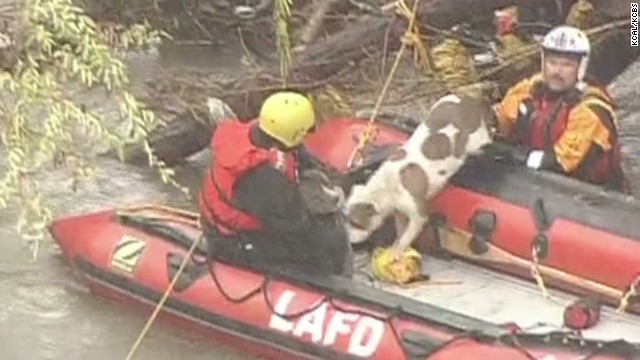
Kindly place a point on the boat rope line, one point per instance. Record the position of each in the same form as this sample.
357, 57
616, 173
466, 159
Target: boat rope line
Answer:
539, 246
163, 299
535, 272
632, 290
509, 338
411, 37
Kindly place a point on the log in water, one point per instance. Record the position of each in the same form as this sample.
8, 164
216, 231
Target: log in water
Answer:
327, 60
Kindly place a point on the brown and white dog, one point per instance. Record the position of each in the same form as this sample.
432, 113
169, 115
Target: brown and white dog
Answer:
456, 127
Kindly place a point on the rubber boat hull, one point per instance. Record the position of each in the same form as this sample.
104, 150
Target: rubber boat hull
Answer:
133, 254
589, 243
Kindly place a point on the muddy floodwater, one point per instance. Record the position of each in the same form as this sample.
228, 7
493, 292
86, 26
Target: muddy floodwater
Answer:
45, 313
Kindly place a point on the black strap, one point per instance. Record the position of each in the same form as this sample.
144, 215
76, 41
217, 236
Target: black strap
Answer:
218, 222
616, 179
604, 114
219, 191
523, 122
233, 229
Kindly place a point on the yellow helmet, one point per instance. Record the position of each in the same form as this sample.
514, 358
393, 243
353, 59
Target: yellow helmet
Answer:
402, 271
287, 117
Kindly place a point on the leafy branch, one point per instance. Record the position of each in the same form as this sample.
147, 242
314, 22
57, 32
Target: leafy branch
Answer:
61, 49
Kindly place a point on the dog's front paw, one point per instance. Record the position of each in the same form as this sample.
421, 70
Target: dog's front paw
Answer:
397, 252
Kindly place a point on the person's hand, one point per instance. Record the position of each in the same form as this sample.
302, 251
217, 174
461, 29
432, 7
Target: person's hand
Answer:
519, 155
532, 159
506, 153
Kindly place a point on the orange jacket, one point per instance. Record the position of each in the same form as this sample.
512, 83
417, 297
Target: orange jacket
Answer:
567, 127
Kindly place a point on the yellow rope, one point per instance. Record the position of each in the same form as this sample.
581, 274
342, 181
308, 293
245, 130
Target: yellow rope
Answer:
371, 131
633, 291
164, 298
156, 207
413, 38
535, 272
165, 218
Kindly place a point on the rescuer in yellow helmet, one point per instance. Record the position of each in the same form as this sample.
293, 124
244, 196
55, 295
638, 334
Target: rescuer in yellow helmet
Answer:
286, 117
252, 209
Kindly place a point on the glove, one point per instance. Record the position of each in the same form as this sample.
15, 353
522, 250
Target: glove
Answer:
534, 159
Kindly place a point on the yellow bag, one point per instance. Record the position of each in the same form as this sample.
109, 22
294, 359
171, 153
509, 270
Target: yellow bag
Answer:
402, 271
582, 15
453, 63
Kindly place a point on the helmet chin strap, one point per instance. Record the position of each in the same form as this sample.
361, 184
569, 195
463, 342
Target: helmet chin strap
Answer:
582, 68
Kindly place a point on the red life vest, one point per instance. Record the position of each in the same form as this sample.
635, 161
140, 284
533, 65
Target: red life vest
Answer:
233, 155
547, 123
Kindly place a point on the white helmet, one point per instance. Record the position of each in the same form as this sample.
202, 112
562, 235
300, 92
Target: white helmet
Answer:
568, 39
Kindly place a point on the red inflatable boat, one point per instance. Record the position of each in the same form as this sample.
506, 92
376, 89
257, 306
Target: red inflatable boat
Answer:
132, 255
496, 213
591, 244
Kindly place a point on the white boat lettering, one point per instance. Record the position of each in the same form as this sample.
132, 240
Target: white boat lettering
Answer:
364, 332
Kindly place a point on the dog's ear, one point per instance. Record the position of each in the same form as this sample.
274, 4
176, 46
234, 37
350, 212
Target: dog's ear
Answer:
360, 214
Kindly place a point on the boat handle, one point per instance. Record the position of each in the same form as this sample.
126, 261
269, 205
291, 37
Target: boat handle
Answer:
191, 273
543, 222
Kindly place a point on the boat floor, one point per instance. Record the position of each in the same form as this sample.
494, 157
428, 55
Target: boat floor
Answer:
499, 298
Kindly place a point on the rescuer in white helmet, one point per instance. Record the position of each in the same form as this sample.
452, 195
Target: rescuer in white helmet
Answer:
563, 123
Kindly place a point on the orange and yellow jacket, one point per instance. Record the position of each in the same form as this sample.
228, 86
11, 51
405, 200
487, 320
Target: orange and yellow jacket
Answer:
576, 131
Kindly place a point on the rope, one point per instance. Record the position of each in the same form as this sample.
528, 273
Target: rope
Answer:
535, 272
164, 218
167, 209
413, 38
164, 298
624, 299
371, 131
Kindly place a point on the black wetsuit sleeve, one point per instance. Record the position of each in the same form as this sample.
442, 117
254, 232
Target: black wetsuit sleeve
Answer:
265, 193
